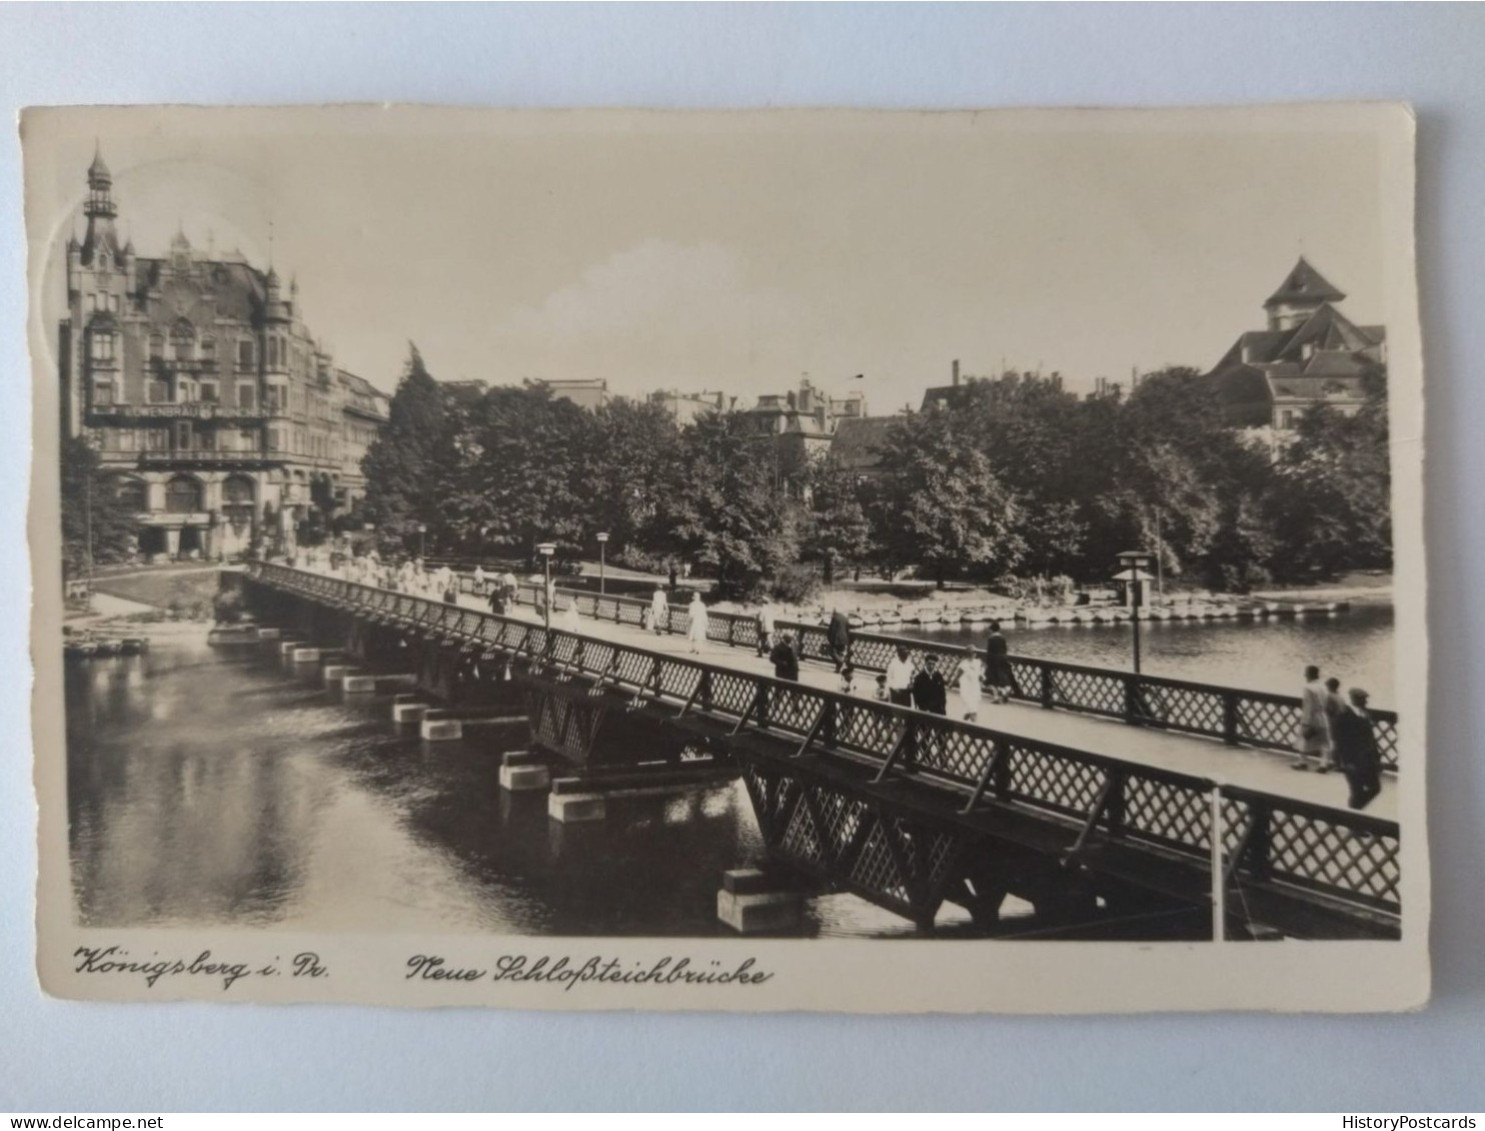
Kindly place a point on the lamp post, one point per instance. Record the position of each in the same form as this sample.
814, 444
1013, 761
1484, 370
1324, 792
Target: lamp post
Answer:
422, 530
1134, 563
602, 547
546, 550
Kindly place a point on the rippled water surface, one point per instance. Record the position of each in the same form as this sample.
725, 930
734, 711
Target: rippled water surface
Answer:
212, 786
1355, 646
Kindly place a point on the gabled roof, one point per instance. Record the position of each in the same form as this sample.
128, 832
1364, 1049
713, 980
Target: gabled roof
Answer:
1304, 284
1327, 329
858, 442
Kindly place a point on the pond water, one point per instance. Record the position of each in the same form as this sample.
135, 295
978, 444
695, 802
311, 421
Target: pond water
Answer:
1356, 646
213, 786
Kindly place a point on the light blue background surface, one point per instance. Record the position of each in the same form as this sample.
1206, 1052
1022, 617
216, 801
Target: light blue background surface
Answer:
58, 1057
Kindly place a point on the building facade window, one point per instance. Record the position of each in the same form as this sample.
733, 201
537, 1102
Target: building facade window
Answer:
247, 440
132, 495
103, 392
157, 347
102, 346
1286, 418
183, 495
159, 392
247, 396
157, 439
208, 392
245, 354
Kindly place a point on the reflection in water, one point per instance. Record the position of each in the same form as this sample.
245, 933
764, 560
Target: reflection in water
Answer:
212, 787
1267, 655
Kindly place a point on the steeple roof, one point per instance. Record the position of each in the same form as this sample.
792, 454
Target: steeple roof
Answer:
1304, 285
98, 170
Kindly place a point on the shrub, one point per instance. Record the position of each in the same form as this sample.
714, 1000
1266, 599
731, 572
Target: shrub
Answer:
227, 606
794, 584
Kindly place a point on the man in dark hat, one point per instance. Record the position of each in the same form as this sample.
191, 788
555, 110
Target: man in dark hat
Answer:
1356, 750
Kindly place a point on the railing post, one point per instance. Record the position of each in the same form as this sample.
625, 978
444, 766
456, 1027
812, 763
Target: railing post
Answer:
828, 730
706, 689
1259, 839
1048, 686
1114, 812
1132, 699
1230, 718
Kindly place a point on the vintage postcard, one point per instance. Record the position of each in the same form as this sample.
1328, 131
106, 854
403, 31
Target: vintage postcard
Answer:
791, 560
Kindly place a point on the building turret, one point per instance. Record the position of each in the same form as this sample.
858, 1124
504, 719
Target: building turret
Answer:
1303, 292
131, 262
101, 243
275, 309
74, 263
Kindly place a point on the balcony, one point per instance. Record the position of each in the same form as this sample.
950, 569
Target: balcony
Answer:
196, 456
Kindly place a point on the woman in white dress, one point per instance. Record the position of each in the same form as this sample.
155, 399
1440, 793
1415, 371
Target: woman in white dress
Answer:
971, 684
697, 629
659, 612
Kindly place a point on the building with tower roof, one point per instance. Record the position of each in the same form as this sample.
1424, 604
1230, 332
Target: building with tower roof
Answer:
194, 376
1309, 354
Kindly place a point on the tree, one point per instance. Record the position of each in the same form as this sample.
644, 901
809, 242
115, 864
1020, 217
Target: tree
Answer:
835, 530
404, 467
96, 522
941, 506
523, 482
718, 505
1331, 500
630, 447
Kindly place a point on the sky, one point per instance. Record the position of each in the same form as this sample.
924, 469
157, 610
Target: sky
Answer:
738, 252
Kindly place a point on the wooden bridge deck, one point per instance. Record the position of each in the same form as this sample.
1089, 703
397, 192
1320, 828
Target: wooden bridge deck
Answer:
1249, 768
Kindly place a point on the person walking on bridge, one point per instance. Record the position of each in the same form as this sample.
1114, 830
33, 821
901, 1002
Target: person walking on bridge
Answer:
785, 659
696, 630
1314, 727
1356, 750
899, 678
838, 638
998, 665
765, 626
930, 691
659, 610
971, 684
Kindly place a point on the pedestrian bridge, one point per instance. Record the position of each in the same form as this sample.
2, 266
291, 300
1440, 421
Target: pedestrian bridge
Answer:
1104, 827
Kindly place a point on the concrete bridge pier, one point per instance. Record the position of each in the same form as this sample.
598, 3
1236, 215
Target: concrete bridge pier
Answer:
524, 771
571, 804
752, 901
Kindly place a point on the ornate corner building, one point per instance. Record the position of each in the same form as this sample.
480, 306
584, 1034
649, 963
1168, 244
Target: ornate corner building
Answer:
220, 417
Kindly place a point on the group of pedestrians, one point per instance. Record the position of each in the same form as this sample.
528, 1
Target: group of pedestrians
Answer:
1337, 733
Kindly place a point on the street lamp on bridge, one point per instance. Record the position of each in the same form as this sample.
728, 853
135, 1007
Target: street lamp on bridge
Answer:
1134, 573
422, 530
602, 547
546, 550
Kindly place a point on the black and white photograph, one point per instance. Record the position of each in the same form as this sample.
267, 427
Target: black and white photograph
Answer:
766, 560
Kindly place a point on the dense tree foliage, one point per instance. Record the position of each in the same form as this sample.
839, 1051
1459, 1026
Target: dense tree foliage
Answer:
1018, 477
405, 466
95, 521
